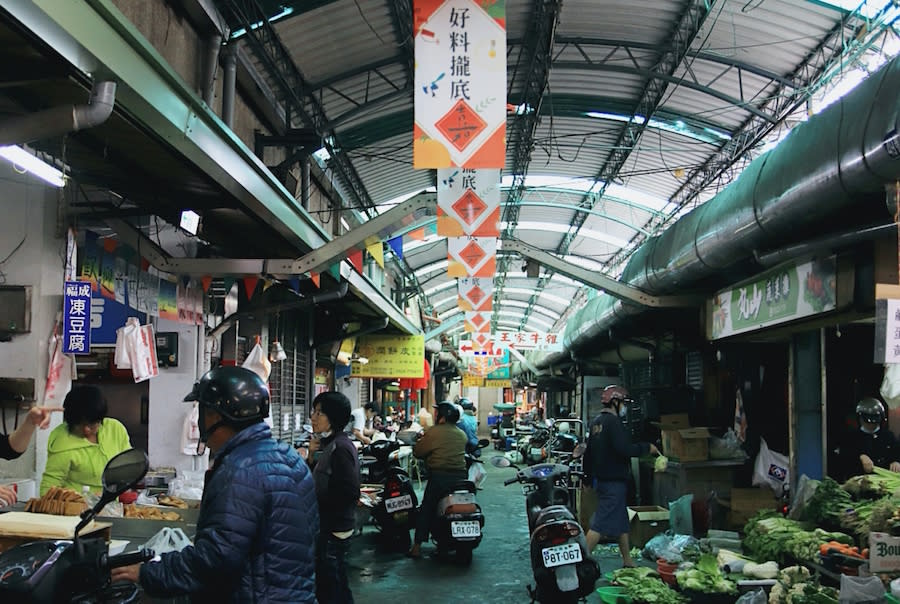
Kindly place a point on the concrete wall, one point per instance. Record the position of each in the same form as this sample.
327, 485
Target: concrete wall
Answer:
29, 208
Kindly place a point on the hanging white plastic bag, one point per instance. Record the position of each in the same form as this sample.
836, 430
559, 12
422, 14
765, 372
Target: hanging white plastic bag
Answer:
257, 362
477, 474
141, 346
122, 334
890, 385
60, 372
167, 540
771, 469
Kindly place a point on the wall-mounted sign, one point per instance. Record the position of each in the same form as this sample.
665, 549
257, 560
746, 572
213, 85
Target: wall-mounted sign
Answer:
472, 381
497, 384
785, 293
77, 317
390, 356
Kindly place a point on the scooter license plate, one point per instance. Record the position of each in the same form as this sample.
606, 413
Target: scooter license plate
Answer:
398, 504
558, 555
465, 528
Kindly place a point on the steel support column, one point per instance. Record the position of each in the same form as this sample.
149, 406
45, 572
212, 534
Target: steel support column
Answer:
807, 406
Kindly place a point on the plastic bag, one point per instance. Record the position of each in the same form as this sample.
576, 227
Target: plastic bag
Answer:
167, 540
890, 385
258, 362
669, 547
861, 590
806, 488
680, 518
122, 334
140, 345
771, 469
477, 474
727, 447
754, 597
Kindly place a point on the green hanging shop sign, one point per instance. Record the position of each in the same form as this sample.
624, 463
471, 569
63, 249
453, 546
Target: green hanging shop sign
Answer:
790, 291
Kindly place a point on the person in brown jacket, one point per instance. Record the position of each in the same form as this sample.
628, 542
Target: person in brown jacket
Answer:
443, 448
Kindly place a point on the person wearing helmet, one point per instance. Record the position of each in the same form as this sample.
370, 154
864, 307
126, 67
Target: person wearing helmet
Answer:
606, 458
875, 445
335, 464
255, 536
468, 423
443, 448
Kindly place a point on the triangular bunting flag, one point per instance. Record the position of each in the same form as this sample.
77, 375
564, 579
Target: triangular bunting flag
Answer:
316, 279
431, 229
355, 258
109, 245
206, 281
250, 283
335, 271
229, 283
376, 250
267, 283
418, 234
294, 284
397, 245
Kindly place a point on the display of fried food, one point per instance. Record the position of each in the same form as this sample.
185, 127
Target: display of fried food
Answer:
172, 501
59, 501
149, 513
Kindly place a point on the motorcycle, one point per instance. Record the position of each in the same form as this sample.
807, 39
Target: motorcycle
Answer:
560, 562
566, 435
459, 522
395, 511
77, 569
533, 447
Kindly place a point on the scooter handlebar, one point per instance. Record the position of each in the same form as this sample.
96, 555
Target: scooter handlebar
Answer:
143, 555
510, 481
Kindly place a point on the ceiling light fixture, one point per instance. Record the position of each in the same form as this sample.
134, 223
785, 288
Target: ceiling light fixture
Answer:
25, 160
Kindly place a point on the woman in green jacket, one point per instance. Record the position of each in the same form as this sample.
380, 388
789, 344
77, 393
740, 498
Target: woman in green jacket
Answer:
78, 449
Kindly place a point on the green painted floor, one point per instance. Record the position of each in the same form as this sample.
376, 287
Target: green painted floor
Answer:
500, 567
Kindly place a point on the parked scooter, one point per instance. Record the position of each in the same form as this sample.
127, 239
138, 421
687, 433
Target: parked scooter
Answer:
534, 446
77, 569
562, 566
458, 522
395, 512
566, 434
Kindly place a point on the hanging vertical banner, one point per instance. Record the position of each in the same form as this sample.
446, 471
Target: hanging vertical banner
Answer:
471, 256
71, 273
460, 84
468, 202
168, 299
477, 322
90, 266
476, 293
76, 317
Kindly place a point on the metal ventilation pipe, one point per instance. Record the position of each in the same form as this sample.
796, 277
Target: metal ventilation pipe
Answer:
847, 151
229, 60
60, 120
210, 65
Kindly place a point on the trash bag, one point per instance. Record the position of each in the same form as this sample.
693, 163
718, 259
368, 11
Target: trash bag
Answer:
771, 469
680, 518
861, 590
754, 597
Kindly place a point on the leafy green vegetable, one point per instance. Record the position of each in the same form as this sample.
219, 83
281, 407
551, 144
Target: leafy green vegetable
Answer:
827, 504
705, 577
642, 584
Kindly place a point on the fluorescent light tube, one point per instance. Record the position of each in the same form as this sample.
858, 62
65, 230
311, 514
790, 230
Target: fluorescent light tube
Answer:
23, 159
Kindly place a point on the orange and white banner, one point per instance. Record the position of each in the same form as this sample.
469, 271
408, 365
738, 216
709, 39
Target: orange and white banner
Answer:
460, 84
468, 202
471, 256
478, 322
476, 293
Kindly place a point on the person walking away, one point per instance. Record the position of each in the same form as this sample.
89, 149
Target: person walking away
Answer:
14, 444
443, 448
79, 448
468, 423
255, 537
335, 464
609, 449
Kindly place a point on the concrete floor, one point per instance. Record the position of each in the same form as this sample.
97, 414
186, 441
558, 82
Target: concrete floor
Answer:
500, 567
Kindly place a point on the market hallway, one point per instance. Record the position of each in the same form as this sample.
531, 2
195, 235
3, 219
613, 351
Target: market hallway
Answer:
500, 567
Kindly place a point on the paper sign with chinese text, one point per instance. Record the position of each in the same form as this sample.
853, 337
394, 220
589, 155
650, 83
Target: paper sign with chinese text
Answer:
77, 317
471, 256
497, 383
887, 331
390, 356
476, 294
460, 84
528, 340
468, 202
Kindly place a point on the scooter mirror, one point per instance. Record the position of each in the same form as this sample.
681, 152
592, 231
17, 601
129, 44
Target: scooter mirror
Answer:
483, 443
499, 461
580, 448
124, 471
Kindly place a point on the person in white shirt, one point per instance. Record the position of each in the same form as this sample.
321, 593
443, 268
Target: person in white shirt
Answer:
362, 422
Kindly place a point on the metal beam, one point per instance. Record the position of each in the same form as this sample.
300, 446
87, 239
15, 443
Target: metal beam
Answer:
447, 325
614, 288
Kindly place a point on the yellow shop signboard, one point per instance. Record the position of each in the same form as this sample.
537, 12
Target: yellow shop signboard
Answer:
390, 357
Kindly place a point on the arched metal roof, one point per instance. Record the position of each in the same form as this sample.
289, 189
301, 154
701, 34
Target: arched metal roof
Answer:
629, 113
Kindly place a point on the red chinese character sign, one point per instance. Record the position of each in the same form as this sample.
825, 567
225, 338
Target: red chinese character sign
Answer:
471, 256
468, 202
476, 294
460, 84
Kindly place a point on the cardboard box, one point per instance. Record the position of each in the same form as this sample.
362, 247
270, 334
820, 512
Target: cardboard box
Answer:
745, 503
884, 553
646, 522
685, 444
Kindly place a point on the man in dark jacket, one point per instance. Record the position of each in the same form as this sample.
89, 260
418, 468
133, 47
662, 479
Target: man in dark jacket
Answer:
609, 449
875, 444
255, 538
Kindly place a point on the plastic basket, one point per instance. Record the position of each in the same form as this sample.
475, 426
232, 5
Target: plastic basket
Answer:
613, 595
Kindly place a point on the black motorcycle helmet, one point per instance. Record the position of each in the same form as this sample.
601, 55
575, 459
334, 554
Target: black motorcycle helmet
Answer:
870, 410
448, 411
239, 395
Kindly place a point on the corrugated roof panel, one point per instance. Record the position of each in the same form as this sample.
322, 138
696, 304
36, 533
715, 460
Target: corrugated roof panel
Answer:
349, 94
645, 20
425, 255
547, 238
386, 169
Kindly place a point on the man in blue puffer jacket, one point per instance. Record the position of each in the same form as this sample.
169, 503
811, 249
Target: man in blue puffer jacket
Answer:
255, 539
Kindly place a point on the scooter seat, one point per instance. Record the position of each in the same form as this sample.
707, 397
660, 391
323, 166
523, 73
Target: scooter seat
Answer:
460, 508
553, 513
465, 485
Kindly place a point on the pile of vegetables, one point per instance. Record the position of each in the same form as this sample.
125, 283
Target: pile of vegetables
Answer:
794, 587
705, 577
827, 504
769, 536
642, 584
878, 484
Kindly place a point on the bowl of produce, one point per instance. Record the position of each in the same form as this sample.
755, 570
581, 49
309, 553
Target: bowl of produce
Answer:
613, 595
